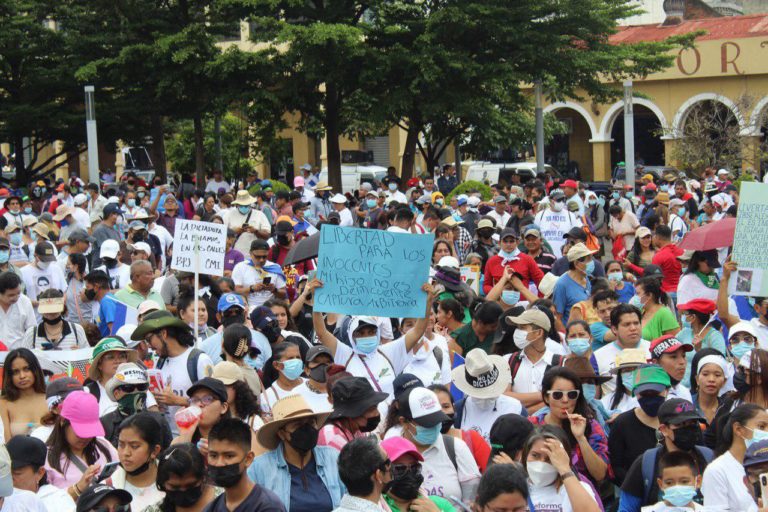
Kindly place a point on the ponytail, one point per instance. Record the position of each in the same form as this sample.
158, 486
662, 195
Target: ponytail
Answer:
741, 415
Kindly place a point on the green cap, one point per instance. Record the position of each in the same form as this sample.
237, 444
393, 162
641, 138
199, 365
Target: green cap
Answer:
157, 320
104, 346
651, 377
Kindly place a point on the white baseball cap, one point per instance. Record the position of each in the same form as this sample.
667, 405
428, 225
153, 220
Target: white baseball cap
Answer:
109, 249
6, 478
142, 246
339, 199
421, 406
81, 199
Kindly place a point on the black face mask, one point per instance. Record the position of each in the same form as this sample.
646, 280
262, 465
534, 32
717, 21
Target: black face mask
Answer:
53, 321
407, 486
185, 498
139, 236
225, 476
140, 469
447, 424
90, 294
371, 424
740, 382
650, 404
109, 262
283, 240
687, 437
304, 438
226, 321
317, 373
271, 332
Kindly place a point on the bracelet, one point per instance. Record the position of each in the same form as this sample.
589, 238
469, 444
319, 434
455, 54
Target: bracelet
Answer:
77, 491
567, 475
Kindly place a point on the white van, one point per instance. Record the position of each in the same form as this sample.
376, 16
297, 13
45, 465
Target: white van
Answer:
491, 173
352, 175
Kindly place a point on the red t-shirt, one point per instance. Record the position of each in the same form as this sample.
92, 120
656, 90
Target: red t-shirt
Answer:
666, 259
523, 265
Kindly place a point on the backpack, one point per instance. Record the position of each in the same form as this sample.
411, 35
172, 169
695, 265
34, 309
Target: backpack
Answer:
515, 360
648, 466
450, 449
592, 242
192, 360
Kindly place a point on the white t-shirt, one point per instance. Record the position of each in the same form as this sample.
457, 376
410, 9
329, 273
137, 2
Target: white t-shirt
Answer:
15, 322
118, 276
723, 486
23, 501
380, 368
441, 478
245, 274
501, 219
55, 499
606, 360
663, 507
37, 280
679, 391
762, 332
175, 375
424, 364
546, 499
43, 432
82, 218
345, 217
214, 186
529, 375
317, 401
274, 393
554, 225
626, 403
479, 419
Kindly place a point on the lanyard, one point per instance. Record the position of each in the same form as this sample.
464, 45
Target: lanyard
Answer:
370, 374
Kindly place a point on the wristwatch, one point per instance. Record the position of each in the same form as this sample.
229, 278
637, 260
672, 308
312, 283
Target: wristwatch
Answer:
567, 475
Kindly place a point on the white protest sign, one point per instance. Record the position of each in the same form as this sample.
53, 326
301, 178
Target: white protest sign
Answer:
199, 247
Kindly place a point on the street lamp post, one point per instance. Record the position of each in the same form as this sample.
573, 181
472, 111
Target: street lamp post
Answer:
539, 128
629, 134
93, 144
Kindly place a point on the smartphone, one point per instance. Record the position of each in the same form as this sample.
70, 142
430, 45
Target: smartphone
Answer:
107, 470
763, 486
266, 280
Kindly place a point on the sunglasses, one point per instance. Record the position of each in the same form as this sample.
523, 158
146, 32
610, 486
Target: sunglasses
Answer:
573, 394
132, 388
116, 508
401, 470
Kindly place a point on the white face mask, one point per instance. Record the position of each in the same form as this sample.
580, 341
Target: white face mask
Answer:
484, 403
520, 337
557, 207
43, 265
541, 474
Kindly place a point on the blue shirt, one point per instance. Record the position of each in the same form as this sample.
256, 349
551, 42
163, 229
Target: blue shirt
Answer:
567, 293
626, 293
106, 314
212, 347
598, 330
308, 492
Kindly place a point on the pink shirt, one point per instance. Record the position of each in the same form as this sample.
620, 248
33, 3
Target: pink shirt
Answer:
336, 437
72, 474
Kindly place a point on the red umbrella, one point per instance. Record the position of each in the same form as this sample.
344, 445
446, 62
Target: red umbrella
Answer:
712, 236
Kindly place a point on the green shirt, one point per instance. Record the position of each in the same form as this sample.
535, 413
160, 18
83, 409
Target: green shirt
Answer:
663, 320
441, 503
133, 298
466, 338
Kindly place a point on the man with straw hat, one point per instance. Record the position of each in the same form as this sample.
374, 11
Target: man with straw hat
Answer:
247, 222
320, 206
291, 437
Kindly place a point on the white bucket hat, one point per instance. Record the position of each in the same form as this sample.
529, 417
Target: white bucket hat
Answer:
482, 375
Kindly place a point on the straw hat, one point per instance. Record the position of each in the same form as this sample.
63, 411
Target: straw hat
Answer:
286, 410
243, 198
482, 375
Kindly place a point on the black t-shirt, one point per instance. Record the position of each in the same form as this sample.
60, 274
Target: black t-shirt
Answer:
633, 483
259, 500
304, 322
628, 439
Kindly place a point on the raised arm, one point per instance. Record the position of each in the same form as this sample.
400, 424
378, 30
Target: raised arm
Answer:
722, 294
322, 332
414, 335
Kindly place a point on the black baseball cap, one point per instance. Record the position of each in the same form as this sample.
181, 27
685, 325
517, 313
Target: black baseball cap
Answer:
577, 233
94, 495
110, 209
404, 382
26, 451
215, 386
677, 410
283, 227
508, 433
62, 387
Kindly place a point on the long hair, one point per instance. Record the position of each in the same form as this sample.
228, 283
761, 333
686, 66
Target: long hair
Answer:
758, 359
620, 391
58, 446
694, 386
10, 391
542, 433
179, 460
582, 407
282, 304
246, 403
741, 415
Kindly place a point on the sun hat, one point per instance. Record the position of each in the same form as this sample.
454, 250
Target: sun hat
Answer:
742, 326
585, 371
482, 375
451, 222
157, 320
148, 306
396, 447
421, 406
339, 199
579, 251
42, 230
547, 284
531, 316
104, 346
215, 386
352, 396
6, 477
668, 344
94, 495
704, 306
44, 251
109, 249
508, 433
62, 212
50, 305
287, 409
651, 377
629, 358
243, 198
26, 451
322, 186
126, 374
676, 411
757, 453
82, 410
227, 373
662, 198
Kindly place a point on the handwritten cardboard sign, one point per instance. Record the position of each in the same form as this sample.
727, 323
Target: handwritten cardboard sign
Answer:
202, 241
750, 241
372, 272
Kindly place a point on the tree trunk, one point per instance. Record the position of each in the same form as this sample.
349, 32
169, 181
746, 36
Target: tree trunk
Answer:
199, 152
158, 148
333, 149
22, 177
409, 153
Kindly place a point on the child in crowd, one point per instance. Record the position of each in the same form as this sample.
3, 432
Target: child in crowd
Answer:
679, 481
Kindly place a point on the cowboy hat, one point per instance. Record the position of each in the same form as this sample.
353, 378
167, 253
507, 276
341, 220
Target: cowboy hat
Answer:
287, 409
584, 370
244, 198
157, 320
482, 375
322, 185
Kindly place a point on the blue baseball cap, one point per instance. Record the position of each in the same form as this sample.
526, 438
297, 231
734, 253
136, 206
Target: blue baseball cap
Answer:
229, 300
461, 201
261, 316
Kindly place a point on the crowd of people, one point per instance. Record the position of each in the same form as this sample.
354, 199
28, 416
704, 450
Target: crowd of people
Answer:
592, 365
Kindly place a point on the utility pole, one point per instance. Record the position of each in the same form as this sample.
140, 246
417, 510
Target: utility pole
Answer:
539, 127
629, 134
90, 127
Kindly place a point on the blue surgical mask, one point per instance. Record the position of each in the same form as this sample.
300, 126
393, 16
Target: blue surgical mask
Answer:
392, 186
757, 435
635, 301
371, 203
590, 267
579, 346
615, 276
740, 349
508, 255
64, 223
510, 297
439, 202
681, 211
686, 323
367, 345
628, 380
588, 391
4, 256
16, 238
664, 188
630, 195
28, 210
600, 201
426, 436
244, 209
679, 495
131, 203
615, 195
33, 235
292, 369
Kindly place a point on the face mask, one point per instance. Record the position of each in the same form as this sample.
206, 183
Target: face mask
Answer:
541, 473
225, 476
757, 435
687, 437
447, 424
630, 195
592, 202
371, 424
64, 223
510, 297
588, 390
33, 235
679, 495
292, 369
484, 403
664, 188
406, 487
244, 209
367, 345
650, 404
628, 380
43, 265
90, 294
132, 403
426, 436
318, 374
740, 382
271, 331
601, 201
740, 349
140, 236
304, 438
5, 256
686, 323
109, 262
681, 211
439, 202
52, 321
615, 195
635, 301
520, 337
186, 498
579, 346
131, 203
392, 186
15, 238
509, 255
557, 206
226, 321
590, 267
371, 203
615, 276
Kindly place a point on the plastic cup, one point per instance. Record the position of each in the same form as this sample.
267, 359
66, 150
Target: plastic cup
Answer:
187, 416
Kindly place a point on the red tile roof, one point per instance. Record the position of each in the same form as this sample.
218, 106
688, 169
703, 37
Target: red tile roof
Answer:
729, 27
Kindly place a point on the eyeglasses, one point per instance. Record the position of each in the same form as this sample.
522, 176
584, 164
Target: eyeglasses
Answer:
132, 388
742, 339
572, 394
202, 401
259, 256
400, 470
113, 508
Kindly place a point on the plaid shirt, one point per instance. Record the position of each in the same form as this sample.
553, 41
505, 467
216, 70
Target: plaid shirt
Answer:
463, 244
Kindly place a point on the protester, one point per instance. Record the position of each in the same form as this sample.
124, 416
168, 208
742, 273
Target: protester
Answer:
23, 401
28, 469
708, 376
355, 412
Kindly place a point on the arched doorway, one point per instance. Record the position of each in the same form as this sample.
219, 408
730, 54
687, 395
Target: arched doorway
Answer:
709, 135
571, 152
649, 147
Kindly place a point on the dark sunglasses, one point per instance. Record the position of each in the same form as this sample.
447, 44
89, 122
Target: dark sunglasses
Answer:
400, 470
573, 394
116, 508
132, 388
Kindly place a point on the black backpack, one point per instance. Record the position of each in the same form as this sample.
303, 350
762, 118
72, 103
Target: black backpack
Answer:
516, 358
192, 360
